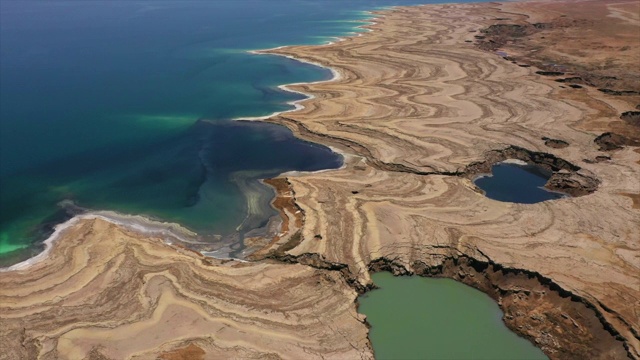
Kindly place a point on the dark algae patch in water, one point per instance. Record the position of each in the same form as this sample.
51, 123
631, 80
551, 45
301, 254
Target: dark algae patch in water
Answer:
517, 183
426, 318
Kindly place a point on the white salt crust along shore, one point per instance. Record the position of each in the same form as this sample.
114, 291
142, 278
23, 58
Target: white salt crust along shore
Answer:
336, 75
507, 161
143, 225
136, 223
514, 162
569, 263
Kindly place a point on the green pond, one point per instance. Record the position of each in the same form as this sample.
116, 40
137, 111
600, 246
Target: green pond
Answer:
426, 318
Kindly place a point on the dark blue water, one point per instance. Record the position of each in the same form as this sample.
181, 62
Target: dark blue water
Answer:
100, 103
517, 183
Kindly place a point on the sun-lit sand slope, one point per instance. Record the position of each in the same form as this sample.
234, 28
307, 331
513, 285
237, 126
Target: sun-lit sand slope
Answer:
419, 97
417, 101
108, 291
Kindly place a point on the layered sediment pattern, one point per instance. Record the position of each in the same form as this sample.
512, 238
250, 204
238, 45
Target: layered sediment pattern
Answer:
418, 103
106, 292
416, 106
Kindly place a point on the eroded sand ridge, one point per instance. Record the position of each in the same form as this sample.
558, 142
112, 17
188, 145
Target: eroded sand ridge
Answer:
419, 108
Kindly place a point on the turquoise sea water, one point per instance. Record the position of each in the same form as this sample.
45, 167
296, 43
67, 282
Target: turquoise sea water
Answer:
102, 102
426, 318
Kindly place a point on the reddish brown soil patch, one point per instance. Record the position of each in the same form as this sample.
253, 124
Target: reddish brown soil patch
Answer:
284, 201
191, 352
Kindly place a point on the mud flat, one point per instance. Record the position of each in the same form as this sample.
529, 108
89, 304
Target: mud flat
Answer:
422, 106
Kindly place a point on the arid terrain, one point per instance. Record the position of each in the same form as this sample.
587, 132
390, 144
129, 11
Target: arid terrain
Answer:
106, 292
430, 98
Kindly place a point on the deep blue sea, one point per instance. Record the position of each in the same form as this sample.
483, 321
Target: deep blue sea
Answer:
126, 106
517, 183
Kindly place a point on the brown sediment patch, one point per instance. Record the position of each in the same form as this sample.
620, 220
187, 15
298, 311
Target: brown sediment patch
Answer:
555, 143
285, 202
635, 198
190, 352
291, 216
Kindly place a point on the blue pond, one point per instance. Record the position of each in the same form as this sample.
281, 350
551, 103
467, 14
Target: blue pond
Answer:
517, 183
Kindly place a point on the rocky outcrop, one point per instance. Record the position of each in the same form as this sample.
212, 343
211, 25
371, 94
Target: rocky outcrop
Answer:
496, 35
555, 143
546, 161
572, 183
571, 80
631, 117
610, 141
550, 73
619, 92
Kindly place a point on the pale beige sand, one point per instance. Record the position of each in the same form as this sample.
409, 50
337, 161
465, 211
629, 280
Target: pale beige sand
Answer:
416, 94
414, 104
105, 291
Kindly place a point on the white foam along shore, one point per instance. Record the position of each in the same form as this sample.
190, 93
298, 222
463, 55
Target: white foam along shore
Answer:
144, 225
137, 223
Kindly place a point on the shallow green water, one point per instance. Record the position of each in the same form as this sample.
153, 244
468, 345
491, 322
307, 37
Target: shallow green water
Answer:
427, 318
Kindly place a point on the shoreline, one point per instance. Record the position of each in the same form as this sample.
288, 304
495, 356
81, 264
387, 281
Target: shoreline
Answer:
137, 223
507, 229
336, 75
562, 272
139, 226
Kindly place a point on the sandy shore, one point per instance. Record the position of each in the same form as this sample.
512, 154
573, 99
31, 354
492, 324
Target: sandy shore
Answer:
422, 100
169, 232
421, 105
